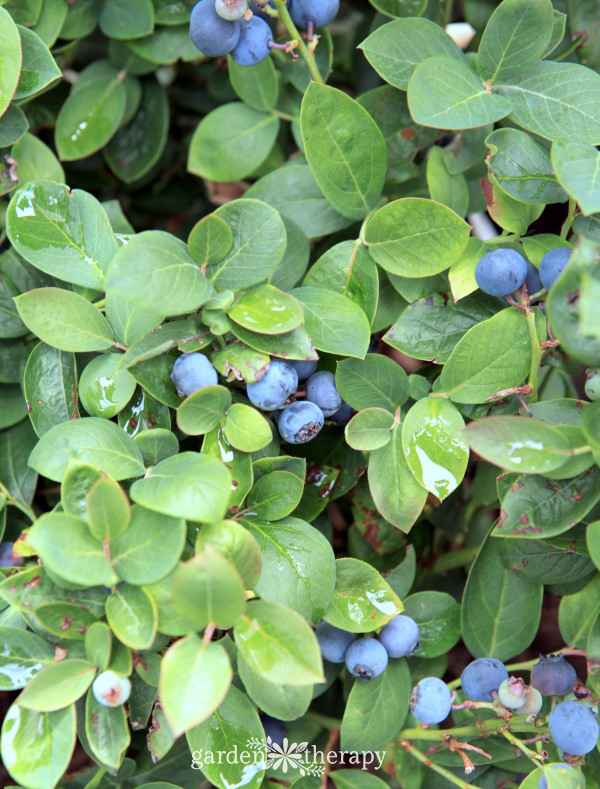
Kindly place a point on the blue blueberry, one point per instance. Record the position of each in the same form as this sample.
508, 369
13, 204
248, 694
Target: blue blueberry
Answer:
533, 281
320, 389
300, 422
400, 637
481, 677
212, 35
6, 556
319, 12
333, 642
553, 264
573, 728
501, 271
231, 9
304, 368
274, 388
275, 729
257, 8
366, 658
343, 415
255, 42
552, 675
544, 780
193, 371
431, 700
592, 384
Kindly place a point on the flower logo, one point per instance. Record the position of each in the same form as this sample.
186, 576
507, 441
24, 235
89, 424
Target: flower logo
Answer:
287, 756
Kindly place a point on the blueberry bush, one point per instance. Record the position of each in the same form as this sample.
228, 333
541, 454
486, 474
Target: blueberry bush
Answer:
300, 393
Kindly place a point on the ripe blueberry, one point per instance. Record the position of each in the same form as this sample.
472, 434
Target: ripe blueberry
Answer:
300, 422
231, 9
592, 385
573, 728
319, 12
544, 780
400, 636
431, 700
258, 8
533, 283
304, 368
274, 388
212, 35
333, 642
501, 271
552, 675
320, 389
275, 729
193, 371
254, 43
110, 689
513, 693
343, 415
6, 556
553, 264
366, 658
482, 677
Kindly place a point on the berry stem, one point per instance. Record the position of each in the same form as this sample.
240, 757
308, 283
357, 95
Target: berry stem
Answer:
11, 501
454, 779
482, 727
564, 231
534, 757
286, 20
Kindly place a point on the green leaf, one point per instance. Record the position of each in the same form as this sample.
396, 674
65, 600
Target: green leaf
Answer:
64, 233
493, 355
98, 644
235, 543
370, 429
238, 463
133, 19
231, 142
257, 86
155, 270
344, 148
275, 495
189, 485
285, 702
438, 617
277, 644
170, 335
233, 725
242, 362
396, 49
434, 448
538, 507
64, 620
259, 241
415, 237
107, 731
104, 388
150, 547
363, 600
13, 125
132, 616
128, 322
563, 561
347, 268
10, 68
194, 678
210, 240
578, 612
16, 474
50, 387
576, 165
57, 685
89, 440
24, 654
522, 168
518, 443
356, 779
51, 20
373, 382
296, 344
593, 541
66, 546
515, 38
298, 564
512, 215
447, 94
558, 101
246, 428
500, 611
38, 70
137, 147
90, 117
376, 710
37, 746
397, 495
266, 310
203, 410
64, 320
449, 189
334, 323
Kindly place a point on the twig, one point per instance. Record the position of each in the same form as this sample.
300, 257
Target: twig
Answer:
333, 738
454, 779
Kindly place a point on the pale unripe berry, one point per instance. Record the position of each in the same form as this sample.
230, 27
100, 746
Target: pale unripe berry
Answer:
110, 689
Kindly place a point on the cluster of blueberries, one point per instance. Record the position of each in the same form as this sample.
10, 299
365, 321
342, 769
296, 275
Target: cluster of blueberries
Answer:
240, 29
298, 422
501, 272
573, 722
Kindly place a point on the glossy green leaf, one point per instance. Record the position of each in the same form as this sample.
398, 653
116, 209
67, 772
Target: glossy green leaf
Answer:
363, 601
578, 612
238, 463
16, 474
448, 189
38, 69
344, 148
64, 620
576, 165
10, 45
246, 428
24, 654
104, 389
132, 616
210, 240
241, 362
98, 644
373, 382
107, 731
275, 495
133, 19
593, 541
107, 509
296, 344
438, 616
203, 410
370, 429
50, 387
267, 310
285, 702
58, 685
13, 125
257, 86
